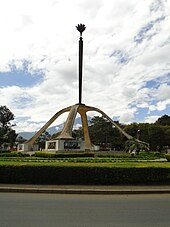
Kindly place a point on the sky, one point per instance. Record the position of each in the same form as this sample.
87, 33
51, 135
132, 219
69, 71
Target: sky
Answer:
126, 68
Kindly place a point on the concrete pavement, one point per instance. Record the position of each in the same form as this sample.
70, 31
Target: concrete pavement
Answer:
86, 189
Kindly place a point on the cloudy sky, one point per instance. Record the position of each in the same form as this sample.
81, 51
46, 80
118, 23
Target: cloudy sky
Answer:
126, 58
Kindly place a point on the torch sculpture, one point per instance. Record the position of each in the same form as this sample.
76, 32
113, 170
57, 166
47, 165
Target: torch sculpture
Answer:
82, 109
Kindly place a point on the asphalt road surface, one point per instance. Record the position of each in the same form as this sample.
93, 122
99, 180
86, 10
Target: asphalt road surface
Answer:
48, 210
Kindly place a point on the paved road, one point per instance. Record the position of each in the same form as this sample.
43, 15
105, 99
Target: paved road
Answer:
48, 210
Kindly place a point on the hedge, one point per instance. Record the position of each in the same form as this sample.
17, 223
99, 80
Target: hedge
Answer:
13, 154
82, 175
64, 155
142, 155
5, 151
167, 156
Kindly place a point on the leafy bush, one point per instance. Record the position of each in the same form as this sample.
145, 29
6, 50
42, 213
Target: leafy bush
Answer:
133, 145
167, 156
112, 155
12, 154
64, 155
85, 175
5, 151
45, 155
151, 154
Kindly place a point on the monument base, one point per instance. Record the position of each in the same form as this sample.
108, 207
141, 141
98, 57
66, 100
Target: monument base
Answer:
24, 148
66, 145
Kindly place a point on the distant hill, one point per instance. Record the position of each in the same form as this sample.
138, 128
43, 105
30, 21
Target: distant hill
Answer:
52, 130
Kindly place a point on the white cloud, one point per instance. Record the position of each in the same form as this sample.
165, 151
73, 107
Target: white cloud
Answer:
77, 126
151, 119
26, 126
163, 92
127, 116
162, 105
162, 97
116, 68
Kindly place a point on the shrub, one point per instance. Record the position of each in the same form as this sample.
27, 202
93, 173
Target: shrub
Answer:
5, 151
151, 154
83, 175
64, 155
45, 154
167, 156
112, 155
12, 154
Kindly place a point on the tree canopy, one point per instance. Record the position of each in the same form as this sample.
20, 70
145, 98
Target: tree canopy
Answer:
5, 117
102, 133
7, 134
42, 138
164, 120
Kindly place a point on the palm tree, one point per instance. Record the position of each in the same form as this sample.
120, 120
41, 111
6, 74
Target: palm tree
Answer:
135, 146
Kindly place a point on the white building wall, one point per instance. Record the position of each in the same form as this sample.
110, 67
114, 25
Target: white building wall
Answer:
27, 147
59, 145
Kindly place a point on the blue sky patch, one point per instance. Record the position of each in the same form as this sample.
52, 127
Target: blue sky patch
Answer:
156, 5
121, 57
158, 81
152, 84
141, 114
23, 102
163, 79
161, 113
21, 77
143, 33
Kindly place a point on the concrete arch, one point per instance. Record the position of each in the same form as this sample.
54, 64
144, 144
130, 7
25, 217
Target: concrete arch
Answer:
110, 120
66, 133
35, 137
82, 111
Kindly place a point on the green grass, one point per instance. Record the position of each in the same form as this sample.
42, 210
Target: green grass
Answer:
87, 160
102, 159
141, 164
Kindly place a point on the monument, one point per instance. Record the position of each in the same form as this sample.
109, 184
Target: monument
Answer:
65, 141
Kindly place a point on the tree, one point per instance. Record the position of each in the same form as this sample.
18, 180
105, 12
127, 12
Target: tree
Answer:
134, 147
164, 120
138, 131
156, 137
104, 134
132, 129
167, 136
7, 134
99, 130
78, 133
11, 137
42, 139
5, 117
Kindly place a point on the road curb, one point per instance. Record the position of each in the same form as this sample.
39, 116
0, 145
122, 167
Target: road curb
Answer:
84, 191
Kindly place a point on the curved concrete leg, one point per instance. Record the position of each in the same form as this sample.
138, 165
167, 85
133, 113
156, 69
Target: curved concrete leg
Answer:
33, 139
68, 126
89, 108
113, 123
87, 142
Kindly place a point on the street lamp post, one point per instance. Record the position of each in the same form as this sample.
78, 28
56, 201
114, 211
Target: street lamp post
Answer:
138, 133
